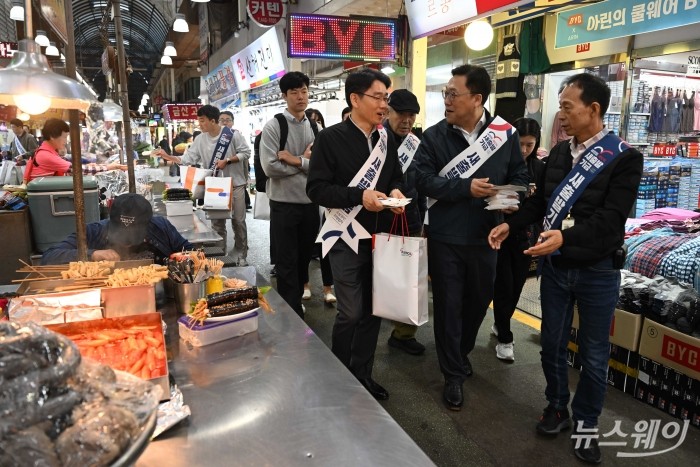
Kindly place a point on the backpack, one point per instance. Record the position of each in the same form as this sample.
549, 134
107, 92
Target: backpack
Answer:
260, 176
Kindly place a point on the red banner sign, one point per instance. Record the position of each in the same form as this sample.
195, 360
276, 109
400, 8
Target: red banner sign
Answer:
664, 150
181, 111
7, 49
266, 13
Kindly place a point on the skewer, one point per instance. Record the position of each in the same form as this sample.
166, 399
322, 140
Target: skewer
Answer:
33, 269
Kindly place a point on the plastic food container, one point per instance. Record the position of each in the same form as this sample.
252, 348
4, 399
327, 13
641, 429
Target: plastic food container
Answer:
212, 333
178, 208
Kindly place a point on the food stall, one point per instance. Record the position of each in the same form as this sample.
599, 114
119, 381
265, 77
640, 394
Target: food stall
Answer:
273, 396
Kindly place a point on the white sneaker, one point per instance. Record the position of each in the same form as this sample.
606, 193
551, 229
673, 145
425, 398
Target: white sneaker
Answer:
505, 352
306, 295
330, 298
494, 330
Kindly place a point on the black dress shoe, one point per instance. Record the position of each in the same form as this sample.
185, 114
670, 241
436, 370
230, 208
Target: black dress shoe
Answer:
410, 346
468, 371
375, 389
453, 396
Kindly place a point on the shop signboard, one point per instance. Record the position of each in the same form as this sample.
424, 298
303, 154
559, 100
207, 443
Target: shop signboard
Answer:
341, 38
430, 16
622, 18
582, 51
529, 11
7, 113
180, 111
266, 13
54, 11
259, 63
221, 82
203, 33
7, 49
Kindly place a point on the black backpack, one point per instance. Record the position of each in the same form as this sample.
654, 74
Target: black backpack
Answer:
260, 176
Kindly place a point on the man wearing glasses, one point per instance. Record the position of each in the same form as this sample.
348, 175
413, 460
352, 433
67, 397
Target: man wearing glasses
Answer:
458, 163
356, 149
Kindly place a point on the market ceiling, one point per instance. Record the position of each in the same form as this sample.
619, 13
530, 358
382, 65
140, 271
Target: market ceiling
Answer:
146, 25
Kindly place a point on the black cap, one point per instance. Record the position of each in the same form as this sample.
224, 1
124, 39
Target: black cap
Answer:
403, 100
185, 135
129, 219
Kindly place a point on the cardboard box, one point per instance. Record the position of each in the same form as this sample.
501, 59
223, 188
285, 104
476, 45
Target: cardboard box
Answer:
622, 369
624, 329
671, 348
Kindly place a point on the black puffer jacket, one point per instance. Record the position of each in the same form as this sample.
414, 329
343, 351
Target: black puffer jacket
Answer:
457, 218
599, 214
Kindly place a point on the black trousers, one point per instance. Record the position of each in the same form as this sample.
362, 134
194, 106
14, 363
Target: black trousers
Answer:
462, 278
355, 331
294, 228
326, 272
511, 273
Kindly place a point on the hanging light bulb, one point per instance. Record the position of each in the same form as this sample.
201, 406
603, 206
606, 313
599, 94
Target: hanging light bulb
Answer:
41, 38
170, 49
24, 117
478, 35
29, 83
388, 69
51, 50
165, 60
180, 24
17, 11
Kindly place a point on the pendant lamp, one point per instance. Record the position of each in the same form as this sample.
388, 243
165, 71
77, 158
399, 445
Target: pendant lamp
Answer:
170, 49
41, 38
29, 83
52, 50
180, 24
17, 11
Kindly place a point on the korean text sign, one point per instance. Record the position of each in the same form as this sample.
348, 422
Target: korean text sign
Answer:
259, 63
338, 37
181, 111
221, 82
622, 18
428, 16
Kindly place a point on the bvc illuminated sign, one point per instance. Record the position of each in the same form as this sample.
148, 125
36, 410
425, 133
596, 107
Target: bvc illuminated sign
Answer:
342, 38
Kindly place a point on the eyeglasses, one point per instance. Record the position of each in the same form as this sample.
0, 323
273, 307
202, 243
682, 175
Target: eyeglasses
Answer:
377, 98
451, 95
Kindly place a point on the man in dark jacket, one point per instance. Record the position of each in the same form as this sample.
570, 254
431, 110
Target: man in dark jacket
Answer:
582, 254
22, 143
340, 153
131, 232
403, 109
461, 264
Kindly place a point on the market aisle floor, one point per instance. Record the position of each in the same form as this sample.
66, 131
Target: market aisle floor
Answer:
502, 401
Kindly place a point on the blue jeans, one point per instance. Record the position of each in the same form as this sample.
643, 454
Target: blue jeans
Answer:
595, 289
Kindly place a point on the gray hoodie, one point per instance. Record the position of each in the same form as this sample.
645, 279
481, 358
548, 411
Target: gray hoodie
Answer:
286, 183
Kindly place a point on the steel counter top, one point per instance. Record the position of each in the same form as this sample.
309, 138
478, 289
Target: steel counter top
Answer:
274, 397
191, 226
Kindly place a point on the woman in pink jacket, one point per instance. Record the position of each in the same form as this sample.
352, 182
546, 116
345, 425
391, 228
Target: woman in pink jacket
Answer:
47, 160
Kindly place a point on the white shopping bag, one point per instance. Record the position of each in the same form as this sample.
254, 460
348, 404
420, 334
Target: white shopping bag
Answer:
193, 179
400, 278
261, 210
7, 173
218, 193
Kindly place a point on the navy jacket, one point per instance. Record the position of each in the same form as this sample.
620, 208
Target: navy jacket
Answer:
599, 214
457, 218
162, 239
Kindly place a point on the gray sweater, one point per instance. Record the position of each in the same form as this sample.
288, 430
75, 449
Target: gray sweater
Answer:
286, 183
202, 148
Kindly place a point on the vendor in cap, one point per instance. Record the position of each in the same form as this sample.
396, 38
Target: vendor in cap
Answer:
400, 117
131, 232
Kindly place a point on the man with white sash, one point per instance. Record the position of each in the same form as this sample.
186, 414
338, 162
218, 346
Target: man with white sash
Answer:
458, 162
584, 196
403, 110
23, 144
221, 150
353, 166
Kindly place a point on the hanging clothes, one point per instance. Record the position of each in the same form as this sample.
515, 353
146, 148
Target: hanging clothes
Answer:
533, 53
508, 68
674, 113
688, 118
696, 108
668, 97
656, 120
